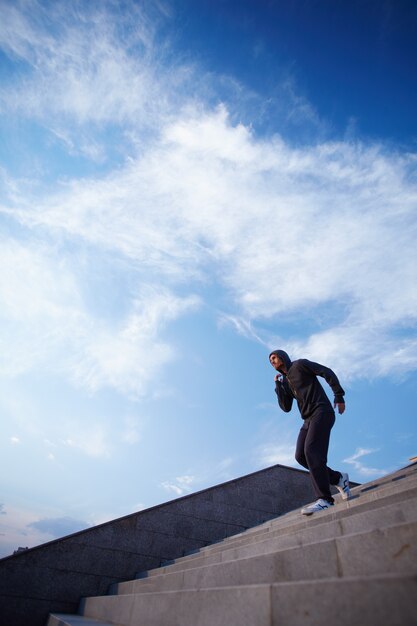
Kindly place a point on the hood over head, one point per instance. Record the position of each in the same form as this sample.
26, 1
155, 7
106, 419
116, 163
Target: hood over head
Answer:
283, 356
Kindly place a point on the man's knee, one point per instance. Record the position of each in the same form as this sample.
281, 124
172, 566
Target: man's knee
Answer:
315, 458
300, 458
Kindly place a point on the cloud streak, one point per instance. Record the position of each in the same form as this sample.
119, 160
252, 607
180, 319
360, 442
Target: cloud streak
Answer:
72, 76
49, 321
279, 453
179, 486
287, 232
361, 468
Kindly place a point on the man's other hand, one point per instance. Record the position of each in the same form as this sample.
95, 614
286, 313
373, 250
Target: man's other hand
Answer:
340, 407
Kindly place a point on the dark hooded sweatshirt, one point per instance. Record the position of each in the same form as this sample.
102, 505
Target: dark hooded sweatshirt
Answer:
300, 382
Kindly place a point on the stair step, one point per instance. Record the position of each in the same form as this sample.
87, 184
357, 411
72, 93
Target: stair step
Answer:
393, 491
390, 600
368, 520
377, 601
339, 521
348, 507
336, 522
391, 550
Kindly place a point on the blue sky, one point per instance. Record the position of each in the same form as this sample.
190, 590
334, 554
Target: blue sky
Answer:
183, 187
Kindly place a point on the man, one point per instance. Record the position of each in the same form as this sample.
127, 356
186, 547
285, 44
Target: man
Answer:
298, 379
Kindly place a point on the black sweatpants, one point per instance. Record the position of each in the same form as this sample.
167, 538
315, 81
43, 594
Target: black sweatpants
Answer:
311, 452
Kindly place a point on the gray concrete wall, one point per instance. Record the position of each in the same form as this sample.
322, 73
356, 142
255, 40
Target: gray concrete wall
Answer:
55, 575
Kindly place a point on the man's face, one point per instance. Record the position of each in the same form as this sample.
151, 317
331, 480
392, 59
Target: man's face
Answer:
276, 362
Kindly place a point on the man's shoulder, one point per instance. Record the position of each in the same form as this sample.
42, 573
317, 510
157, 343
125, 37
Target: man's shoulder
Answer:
299, 363
296, 366
302, 365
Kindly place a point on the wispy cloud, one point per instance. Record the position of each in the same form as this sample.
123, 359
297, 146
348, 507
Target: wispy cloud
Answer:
93, 440
240, 325
277, 439
131, 433
361, 468
128, 358
278, 453
163, 211
78, 69
47, 323
204, 476
180, 485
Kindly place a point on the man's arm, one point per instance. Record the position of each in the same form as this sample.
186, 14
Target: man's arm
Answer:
283, 392
331, 379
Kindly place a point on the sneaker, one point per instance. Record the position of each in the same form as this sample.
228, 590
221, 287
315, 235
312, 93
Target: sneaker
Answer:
320, 505
343, 486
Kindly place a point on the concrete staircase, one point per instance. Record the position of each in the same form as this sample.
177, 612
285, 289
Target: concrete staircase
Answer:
354, 564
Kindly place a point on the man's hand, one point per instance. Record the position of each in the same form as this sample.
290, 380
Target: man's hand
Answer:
279, 377
340, 407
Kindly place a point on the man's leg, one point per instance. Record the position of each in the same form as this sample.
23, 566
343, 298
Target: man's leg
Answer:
300, 457
334, 477
316, 446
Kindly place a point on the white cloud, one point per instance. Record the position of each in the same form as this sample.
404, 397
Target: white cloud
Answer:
79, 69
240, 325
225, 464
361, 468
15, 440
277, 439
92, 439
128, 358
180, 485
208, 475
286, 231
39, 301
131, 433
219, 471
277, 453
48, 324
